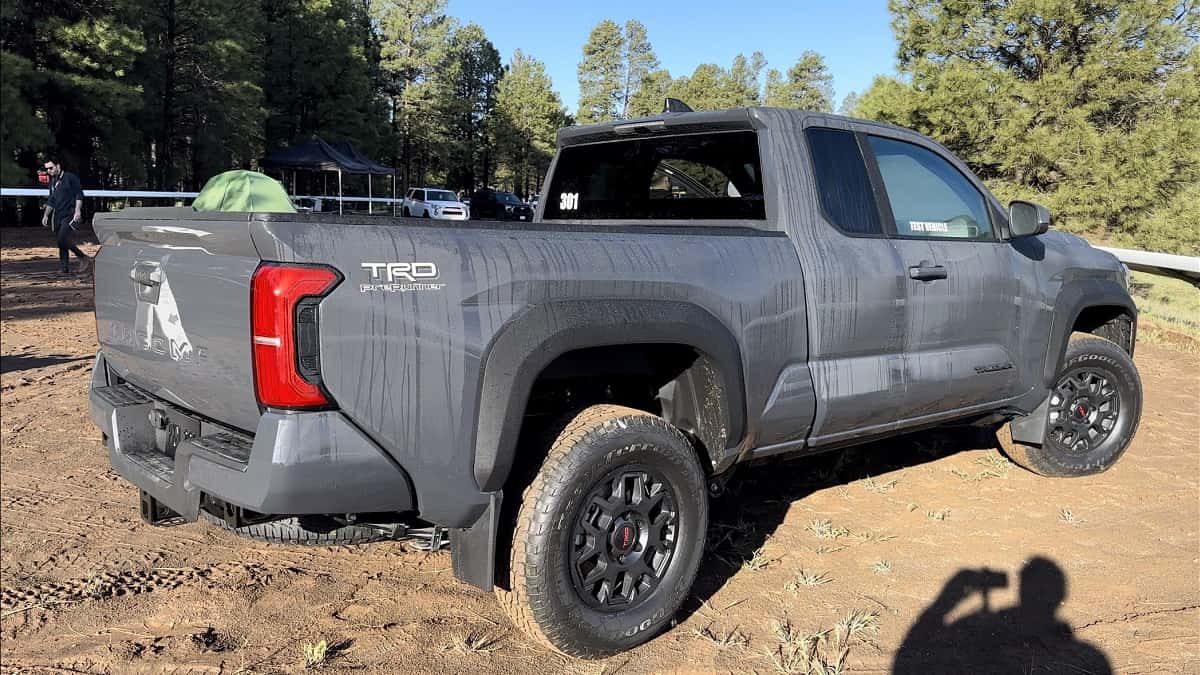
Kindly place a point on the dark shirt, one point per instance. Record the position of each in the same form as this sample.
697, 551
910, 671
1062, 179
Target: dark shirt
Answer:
63, 193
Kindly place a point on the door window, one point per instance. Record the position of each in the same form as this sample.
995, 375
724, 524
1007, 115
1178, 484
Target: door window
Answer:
929, 197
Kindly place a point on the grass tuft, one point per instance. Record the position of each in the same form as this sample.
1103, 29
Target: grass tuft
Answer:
803, 579
822, 652
1068, 517
994, 465
877, 487
825, 529
734, 638
316, 655
475, 641
882, 567
759, 561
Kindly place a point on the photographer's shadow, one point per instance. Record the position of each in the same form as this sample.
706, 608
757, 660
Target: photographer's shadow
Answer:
1025, 638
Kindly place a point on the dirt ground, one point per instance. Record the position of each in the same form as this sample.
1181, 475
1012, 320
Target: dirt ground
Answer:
896, 535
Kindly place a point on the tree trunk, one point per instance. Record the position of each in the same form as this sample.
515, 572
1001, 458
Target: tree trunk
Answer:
165, 158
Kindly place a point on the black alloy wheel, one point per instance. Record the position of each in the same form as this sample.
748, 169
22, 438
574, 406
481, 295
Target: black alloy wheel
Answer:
1084, 408
624, 539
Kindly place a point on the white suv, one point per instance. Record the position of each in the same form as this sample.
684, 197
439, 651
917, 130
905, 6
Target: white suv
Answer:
434, 203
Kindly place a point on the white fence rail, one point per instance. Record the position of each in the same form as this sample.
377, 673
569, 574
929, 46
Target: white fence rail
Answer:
147, 194
1186, 266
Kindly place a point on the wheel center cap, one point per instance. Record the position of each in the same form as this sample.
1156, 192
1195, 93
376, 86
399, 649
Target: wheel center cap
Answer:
624, 536
1082, 410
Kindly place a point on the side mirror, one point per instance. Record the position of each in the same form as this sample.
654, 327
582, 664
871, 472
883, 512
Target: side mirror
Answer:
1028, 218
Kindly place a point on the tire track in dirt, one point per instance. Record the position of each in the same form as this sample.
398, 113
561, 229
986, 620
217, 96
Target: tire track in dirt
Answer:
158, 543
115, 584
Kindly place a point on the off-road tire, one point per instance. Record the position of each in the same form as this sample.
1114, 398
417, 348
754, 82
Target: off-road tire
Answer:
539, 594
1052, 458
405, 212
292, 531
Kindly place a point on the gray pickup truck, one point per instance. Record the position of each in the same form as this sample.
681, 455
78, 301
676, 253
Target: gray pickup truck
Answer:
557, 400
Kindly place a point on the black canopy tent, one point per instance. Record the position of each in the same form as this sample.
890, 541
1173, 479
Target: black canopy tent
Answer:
315, 154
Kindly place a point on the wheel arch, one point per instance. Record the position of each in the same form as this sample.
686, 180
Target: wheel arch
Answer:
533, 341
1101, 307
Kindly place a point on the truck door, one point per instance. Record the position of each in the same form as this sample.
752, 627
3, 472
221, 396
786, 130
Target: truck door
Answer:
961, 312
855, 290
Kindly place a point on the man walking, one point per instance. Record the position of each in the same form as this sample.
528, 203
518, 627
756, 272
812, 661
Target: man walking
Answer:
64, 210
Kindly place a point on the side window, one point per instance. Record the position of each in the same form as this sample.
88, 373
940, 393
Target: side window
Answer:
929, 197
843, 184
419, 195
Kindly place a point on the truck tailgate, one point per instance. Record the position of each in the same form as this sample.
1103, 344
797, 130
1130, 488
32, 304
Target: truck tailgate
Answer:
173, 307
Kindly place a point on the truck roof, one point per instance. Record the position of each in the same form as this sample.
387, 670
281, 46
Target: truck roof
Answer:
709, 120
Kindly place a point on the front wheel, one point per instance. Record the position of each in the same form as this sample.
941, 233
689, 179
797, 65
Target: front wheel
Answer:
1092, 413
609, 536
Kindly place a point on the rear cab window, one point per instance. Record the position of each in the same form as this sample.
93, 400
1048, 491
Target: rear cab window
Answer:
711, 176
843, 184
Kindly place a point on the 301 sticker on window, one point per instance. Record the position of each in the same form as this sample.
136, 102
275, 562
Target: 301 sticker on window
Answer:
568, 201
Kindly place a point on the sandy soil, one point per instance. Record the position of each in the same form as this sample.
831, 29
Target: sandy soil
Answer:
890, 531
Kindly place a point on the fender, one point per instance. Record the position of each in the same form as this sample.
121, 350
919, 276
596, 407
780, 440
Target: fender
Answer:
542, 333
1075, 297
1072, 300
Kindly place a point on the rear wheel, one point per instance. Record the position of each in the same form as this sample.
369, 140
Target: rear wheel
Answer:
1092, 413
406, 213
608, 537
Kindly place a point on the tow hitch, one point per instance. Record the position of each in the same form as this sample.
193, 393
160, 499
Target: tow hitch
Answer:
158, 514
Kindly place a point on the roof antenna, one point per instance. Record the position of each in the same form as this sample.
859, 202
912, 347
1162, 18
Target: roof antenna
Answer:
674, 105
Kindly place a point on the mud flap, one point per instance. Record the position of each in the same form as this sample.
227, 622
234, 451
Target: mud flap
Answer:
1031, 429
473, 549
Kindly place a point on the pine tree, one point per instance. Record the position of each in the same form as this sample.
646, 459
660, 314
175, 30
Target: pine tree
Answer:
528, 115
741, 84
601, 74
807, 86
650, 95
68, 87
202, 101
413, 42
849, 105
640, 62
1092, 107
466, 98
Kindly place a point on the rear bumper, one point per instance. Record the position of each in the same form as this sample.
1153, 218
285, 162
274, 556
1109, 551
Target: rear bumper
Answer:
296, 463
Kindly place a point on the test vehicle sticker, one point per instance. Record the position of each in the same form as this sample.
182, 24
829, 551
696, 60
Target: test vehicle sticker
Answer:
927, 226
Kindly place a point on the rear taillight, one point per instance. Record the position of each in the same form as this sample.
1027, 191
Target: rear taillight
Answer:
284, 316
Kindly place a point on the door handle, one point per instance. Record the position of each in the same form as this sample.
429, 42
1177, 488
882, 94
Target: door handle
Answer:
927, 271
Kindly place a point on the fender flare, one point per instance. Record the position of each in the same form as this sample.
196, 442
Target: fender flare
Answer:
531, 341
1073, 299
